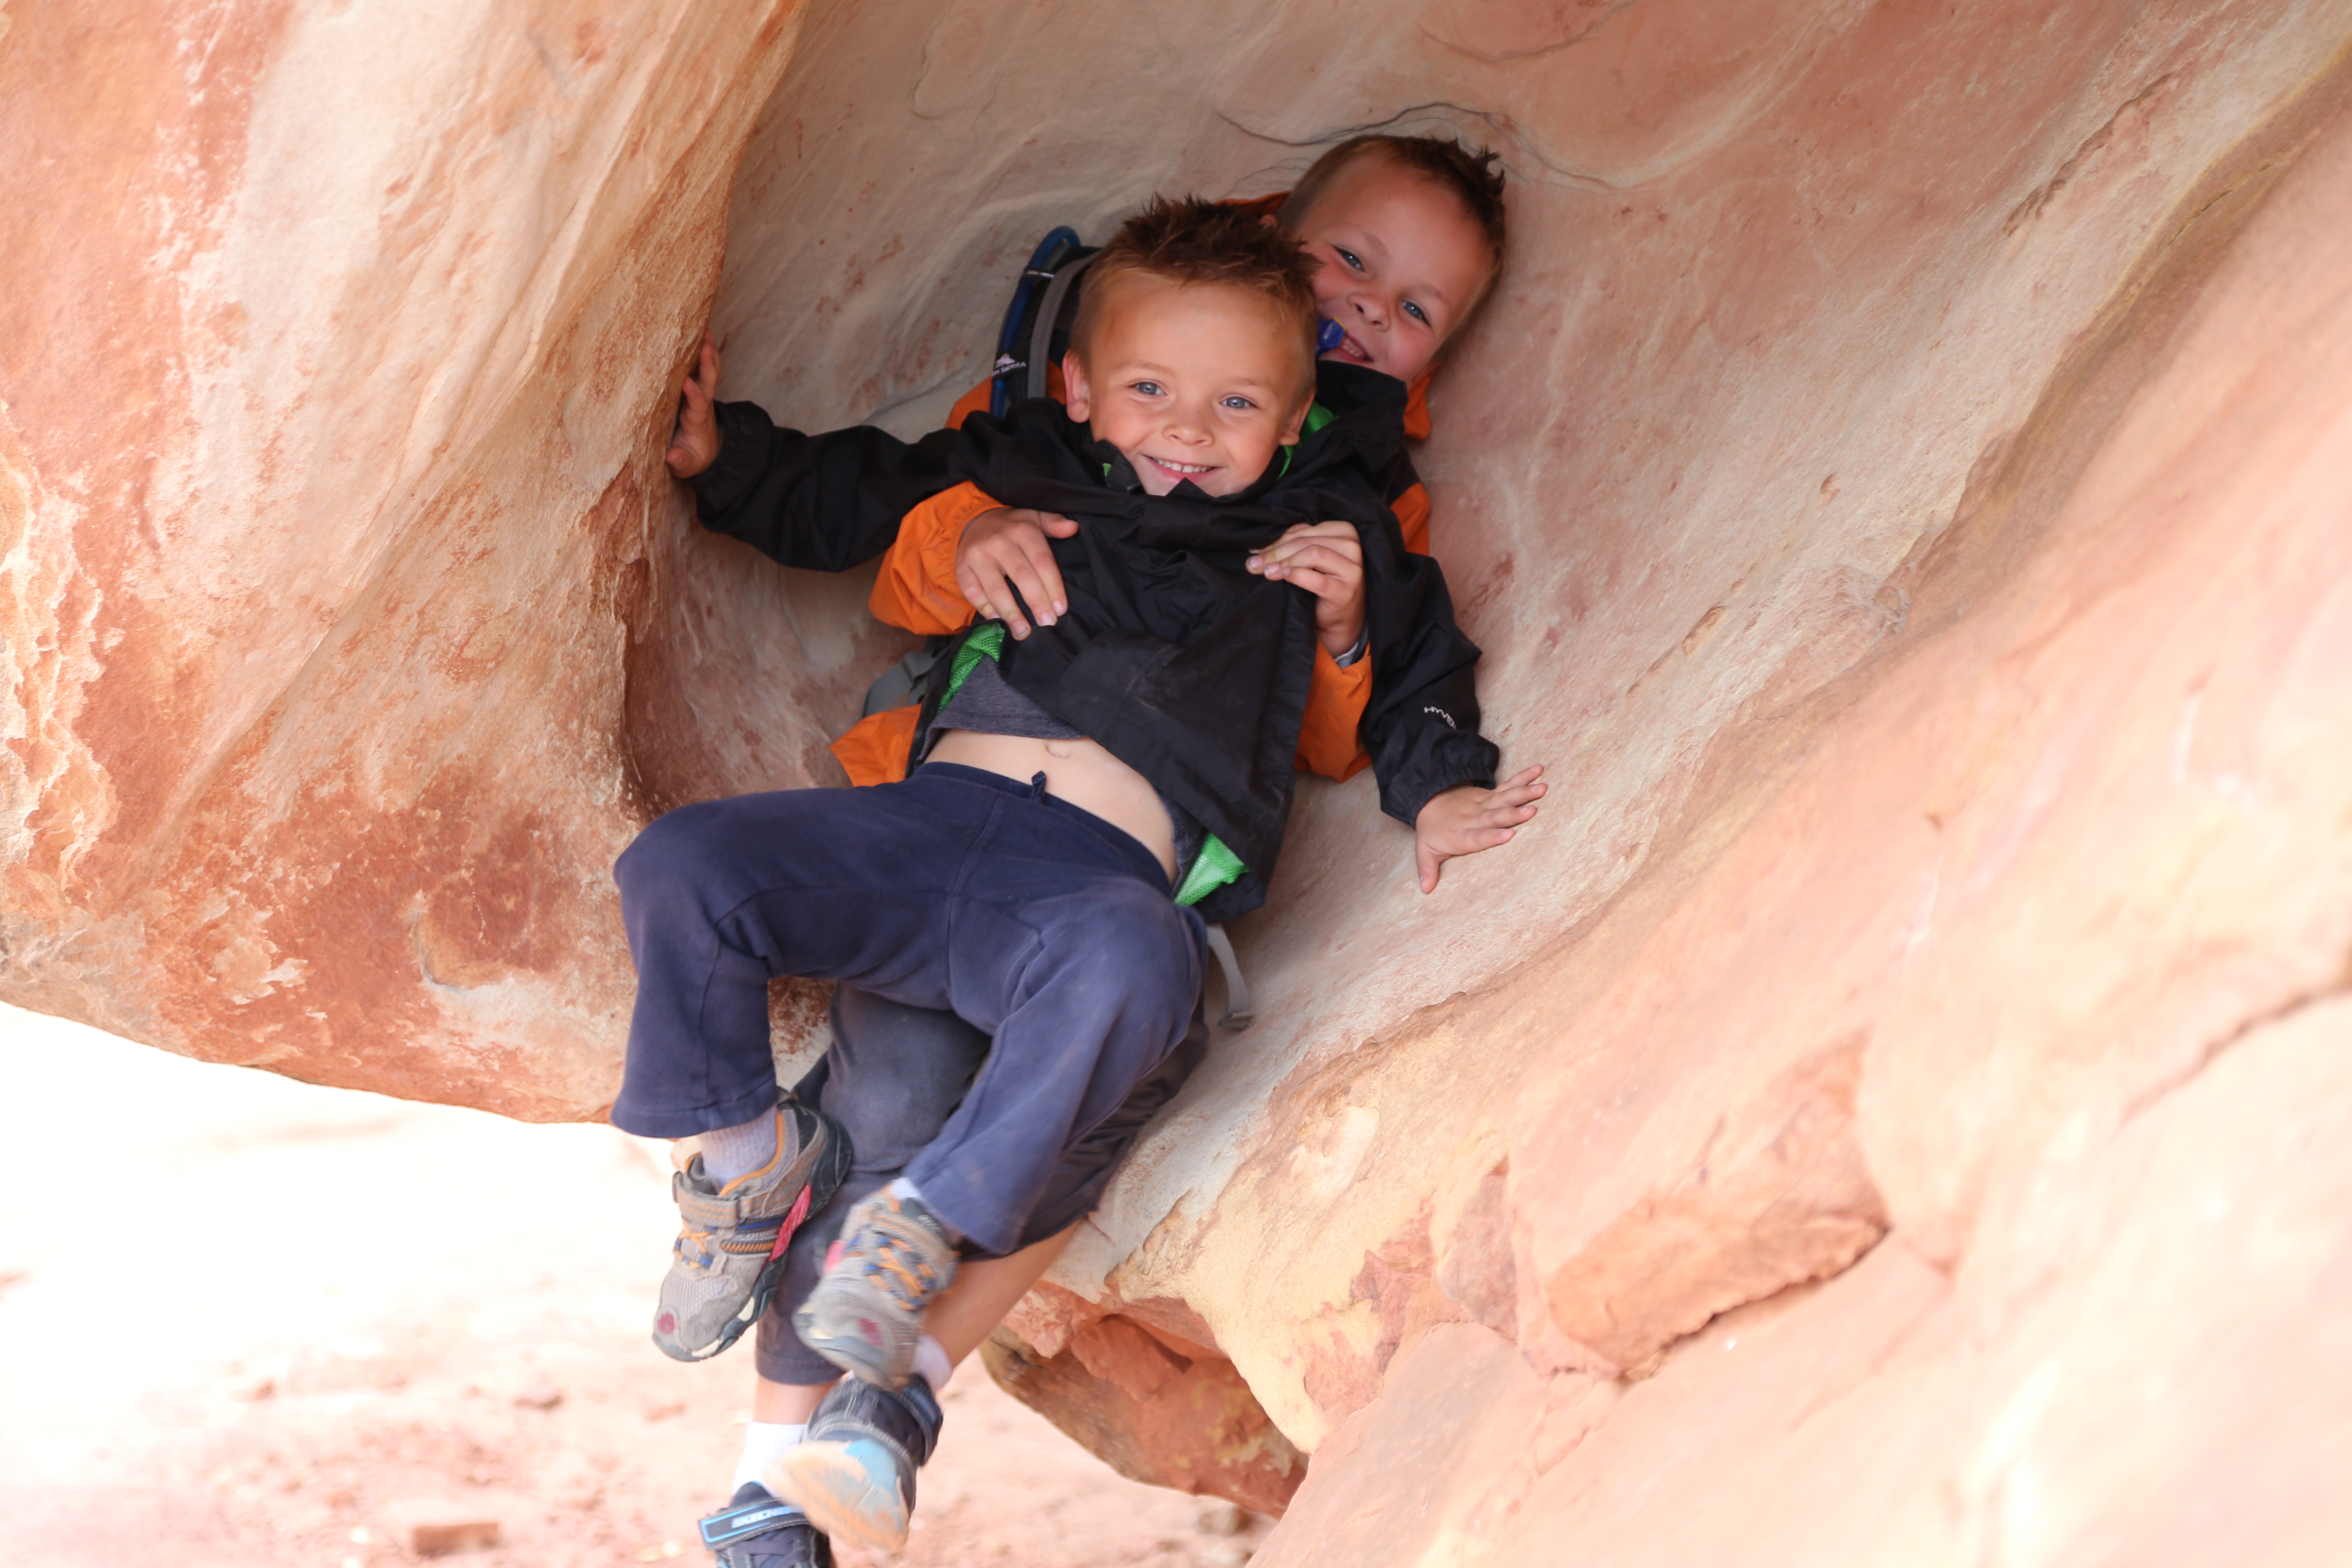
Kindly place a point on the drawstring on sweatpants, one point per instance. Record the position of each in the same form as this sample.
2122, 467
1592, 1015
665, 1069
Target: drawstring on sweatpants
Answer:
1037, 787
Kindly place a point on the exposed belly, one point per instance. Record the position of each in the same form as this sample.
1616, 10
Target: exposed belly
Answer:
1079, 772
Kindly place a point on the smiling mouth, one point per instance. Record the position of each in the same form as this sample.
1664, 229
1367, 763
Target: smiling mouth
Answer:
1351, 350
1183, 470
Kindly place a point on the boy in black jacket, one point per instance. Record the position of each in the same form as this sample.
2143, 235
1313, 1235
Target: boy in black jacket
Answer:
1084, 795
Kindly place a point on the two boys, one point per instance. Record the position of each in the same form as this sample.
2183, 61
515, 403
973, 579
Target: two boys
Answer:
1138, 746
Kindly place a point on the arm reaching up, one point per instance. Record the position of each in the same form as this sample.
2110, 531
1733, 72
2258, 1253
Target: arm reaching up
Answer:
694, 444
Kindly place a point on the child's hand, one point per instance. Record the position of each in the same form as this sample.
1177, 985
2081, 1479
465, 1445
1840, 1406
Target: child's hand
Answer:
694, 444
1465, 820
1327, 559
1005, 549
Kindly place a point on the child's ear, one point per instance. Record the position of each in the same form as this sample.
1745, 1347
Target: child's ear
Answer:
1078, 395
1298, 419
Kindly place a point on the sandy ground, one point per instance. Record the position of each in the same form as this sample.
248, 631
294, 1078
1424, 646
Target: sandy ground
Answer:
248, 1322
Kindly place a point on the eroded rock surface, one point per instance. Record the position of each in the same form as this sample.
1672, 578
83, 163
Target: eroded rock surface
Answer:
1889, 1108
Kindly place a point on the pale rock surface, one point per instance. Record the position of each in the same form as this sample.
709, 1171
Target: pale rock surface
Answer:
1887, 1109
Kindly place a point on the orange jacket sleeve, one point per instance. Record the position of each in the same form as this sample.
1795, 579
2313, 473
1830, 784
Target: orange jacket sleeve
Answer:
1335, 708
874, 750
970, 402
917, 591
1412, 509
1416, 410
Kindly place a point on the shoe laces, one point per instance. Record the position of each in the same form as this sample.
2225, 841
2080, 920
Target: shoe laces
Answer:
897, 1252
693, 1248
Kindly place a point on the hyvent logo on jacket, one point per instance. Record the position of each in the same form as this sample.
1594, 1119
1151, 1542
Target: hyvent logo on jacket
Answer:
1445, 718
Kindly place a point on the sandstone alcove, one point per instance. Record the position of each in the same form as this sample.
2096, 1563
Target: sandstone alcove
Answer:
1892, 1108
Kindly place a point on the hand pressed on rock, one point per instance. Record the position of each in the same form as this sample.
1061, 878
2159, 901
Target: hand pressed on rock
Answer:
694, 442
1465, 820
1327, 559
1004, 548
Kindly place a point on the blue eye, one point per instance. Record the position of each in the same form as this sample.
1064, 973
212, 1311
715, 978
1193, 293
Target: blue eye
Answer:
1344, 254
1237, 401
1148, 388
1416, 312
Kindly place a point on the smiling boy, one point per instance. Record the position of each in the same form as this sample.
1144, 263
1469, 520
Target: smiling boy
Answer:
1084, 796
1401, 260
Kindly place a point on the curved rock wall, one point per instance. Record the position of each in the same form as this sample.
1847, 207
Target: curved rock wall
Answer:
1888, 1109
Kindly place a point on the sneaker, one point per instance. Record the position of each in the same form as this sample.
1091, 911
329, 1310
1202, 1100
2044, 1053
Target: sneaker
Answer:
756, 1531
729, 1251
855, 1473
866, 1314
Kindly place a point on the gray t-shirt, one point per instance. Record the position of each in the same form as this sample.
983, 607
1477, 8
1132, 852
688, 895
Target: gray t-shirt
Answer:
988, 704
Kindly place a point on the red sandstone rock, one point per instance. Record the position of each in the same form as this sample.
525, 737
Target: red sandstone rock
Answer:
1899, 485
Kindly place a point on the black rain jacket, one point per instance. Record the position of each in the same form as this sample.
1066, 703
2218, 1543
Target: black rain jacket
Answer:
1172, 656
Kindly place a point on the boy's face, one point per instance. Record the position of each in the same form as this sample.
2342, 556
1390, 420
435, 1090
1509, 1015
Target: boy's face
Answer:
1397, 263
1196, 382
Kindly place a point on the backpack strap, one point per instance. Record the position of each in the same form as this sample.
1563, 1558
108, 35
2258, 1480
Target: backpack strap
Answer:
1040, 366
1039, 272
1238, 1012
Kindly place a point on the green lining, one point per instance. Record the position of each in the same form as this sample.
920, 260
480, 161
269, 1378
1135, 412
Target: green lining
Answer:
1212, 868
986, 641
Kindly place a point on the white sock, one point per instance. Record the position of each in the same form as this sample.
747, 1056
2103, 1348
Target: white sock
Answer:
931, 1362
733, 1151
764, 1443
903, 1188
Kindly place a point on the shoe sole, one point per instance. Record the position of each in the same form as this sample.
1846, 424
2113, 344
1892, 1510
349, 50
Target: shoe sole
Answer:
855, 1357
827, 1172
845, 1490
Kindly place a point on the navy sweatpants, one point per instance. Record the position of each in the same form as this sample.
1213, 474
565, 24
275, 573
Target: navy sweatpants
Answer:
957, 888
892, 1077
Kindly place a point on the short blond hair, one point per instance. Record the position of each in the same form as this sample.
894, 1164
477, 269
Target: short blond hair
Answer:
1185, 240
1475, 176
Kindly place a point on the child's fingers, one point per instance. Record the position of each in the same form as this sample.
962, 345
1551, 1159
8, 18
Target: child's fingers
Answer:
1425, 862
1319, 584
1505, 812
1320, 573
1020, 578
1338, 540
1039, 574
983, 590
999, 585
1056, 525
1289, 551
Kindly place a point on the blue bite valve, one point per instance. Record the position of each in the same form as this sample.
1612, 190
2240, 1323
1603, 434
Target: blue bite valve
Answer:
1328, 335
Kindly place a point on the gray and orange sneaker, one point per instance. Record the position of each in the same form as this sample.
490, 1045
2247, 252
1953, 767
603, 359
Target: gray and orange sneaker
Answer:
729, 1251
855, 1474
866, 1314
